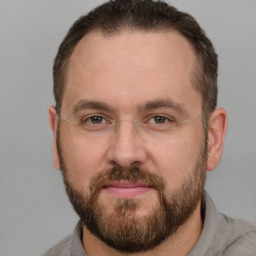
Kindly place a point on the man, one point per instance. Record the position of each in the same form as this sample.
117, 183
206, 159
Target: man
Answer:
135, 129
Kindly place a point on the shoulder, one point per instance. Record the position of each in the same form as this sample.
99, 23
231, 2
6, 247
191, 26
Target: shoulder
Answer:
62, 248
244, 238
224, 236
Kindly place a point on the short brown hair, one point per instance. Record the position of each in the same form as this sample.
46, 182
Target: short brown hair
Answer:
146, 15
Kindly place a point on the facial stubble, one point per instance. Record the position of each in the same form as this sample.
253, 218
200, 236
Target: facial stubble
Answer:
121, 229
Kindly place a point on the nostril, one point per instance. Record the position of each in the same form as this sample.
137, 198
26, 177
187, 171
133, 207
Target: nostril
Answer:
135, 163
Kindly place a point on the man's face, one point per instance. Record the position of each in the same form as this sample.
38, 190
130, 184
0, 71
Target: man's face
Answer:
133, 151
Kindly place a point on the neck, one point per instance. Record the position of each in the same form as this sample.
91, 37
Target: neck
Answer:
178, 244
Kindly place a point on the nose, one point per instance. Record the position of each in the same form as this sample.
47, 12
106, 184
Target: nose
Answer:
127, 148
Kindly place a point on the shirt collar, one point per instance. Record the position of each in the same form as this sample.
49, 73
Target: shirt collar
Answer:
76, 242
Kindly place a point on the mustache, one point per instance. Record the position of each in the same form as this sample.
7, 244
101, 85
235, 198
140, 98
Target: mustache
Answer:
133, 174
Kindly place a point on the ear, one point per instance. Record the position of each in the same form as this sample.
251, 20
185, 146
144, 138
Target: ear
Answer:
53, 120
217, 128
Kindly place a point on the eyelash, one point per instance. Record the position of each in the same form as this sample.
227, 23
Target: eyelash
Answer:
88, 118
167, 119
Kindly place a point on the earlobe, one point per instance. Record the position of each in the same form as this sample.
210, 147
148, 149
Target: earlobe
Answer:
216, 134
53, 120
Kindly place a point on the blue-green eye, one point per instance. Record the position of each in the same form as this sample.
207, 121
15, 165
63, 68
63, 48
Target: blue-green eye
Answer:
159, 120
95, 123
96, 120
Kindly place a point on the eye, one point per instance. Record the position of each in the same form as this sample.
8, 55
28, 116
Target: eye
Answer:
161, 123
95, 120
95, 123
158, 119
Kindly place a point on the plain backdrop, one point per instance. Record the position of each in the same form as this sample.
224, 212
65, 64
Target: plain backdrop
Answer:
34, 210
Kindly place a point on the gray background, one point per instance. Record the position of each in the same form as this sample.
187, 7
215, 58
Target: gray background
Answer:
35, 212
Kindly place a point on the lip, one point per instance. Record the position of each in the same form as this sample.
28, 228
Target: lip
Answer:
126, 189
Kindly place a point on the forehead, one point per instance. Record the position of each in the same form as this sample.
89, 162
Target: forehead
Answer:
137, 48
130, 65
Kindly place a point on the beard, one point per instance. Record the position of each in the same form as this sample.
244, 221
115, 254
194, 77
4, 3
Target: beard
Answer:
122, 229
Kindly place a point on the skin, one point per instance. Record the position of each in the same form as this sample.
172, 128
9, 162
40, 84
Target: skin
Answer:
126, 71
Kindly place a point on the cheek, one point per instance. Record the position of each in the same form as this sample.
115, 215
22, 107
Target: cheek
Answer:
83, 158
176, 157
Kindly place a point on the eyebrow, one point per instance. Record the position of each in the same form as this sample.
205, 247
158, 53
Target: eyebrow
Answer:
150, 105
162, 103
88, 104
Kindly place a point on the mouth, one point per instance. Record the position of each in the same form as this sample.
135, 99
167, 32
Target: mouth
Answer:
126, 189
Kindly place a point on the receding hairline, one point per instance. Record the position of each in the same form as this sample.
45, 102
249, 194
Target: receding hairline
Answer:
99, 31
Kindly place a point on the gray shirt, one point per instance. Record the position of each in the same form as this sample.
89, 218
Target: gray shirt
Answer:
221, 236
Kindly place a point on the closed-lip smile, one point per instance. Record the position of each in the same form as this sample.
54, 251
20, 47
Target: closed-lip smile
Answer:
126, 189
